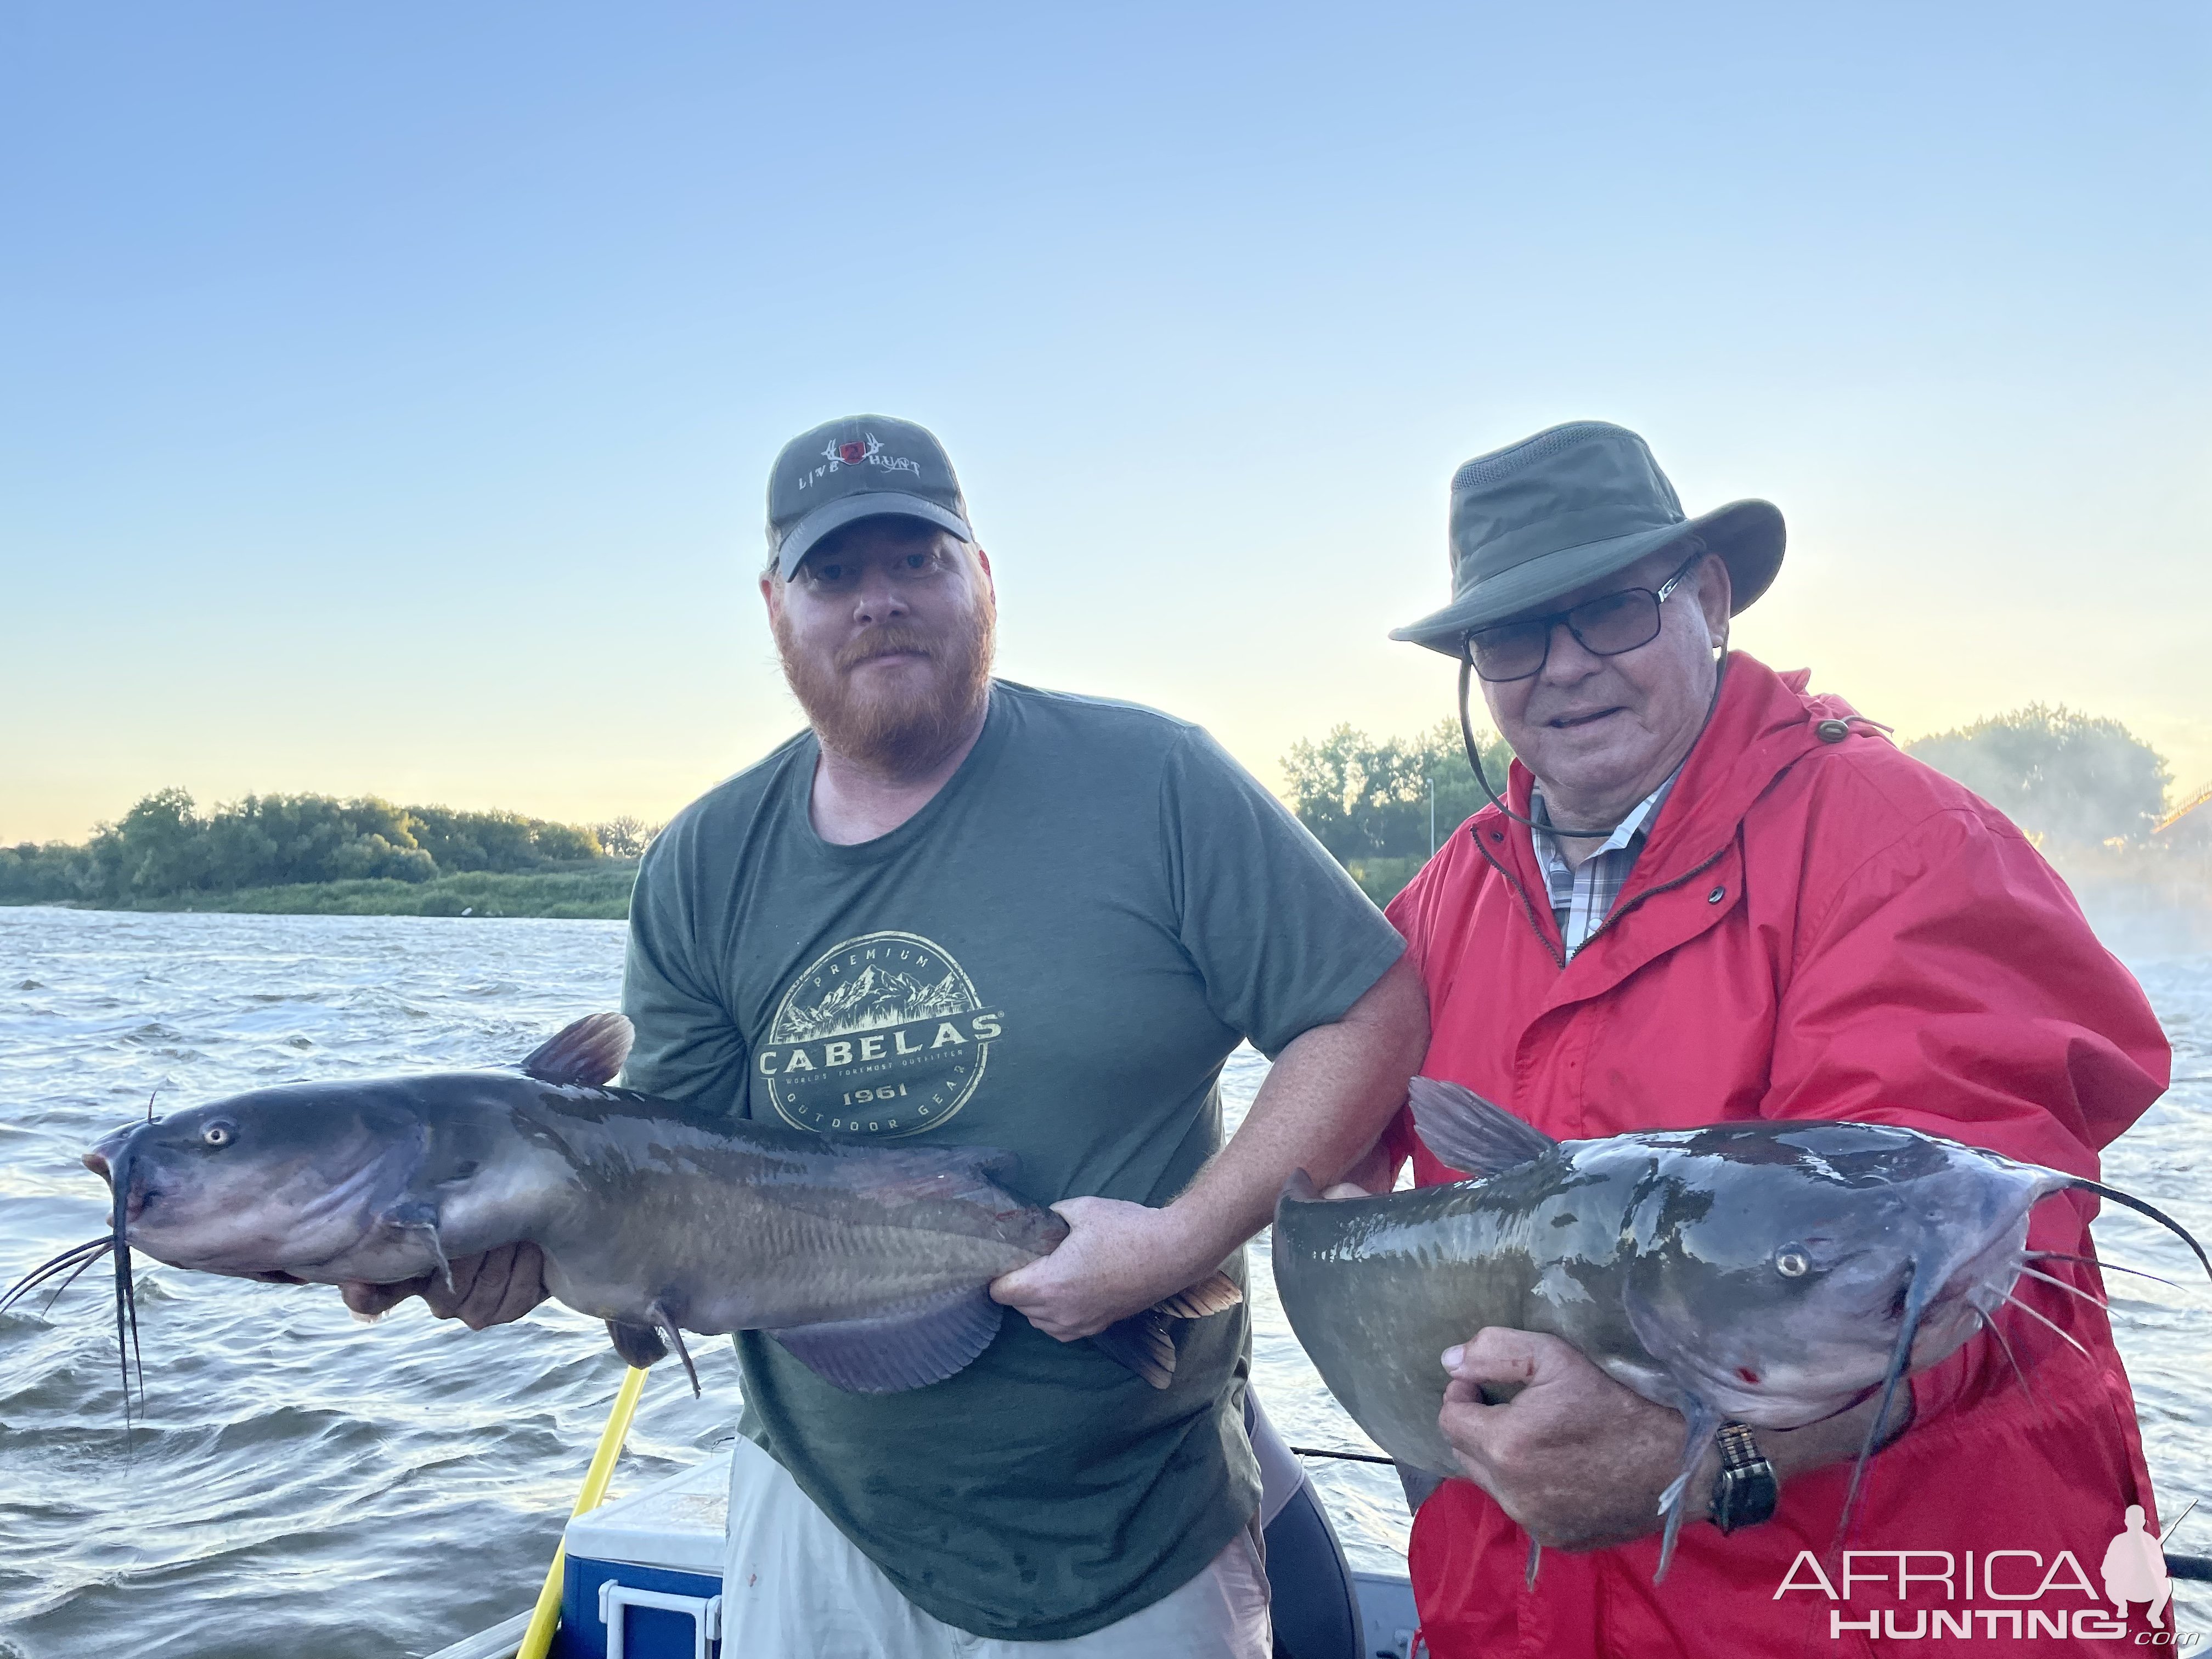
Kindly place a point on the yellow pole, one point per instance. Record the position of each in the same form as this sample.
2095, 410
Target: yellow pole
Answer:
546, 1618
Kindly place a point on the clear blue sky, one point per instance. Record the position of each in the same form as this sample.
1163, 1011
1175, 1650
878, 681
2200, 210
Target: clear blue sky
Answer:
386, 392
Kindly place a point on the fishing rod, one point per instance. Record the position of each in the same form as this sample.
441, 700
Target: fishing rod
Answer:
1348, 1456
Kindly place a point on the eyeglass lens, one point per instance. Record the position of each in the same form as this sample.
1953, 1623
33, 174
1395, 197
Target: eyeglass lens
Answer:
1604, 627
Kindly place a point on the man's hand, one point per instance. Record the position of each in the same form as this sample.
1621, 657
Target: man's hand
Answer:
1118, 1259
1577, 1461
494, 1288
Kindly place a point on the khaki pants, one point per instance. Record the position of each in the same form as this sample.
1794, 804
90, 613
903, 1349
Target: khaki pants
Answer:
793, 1587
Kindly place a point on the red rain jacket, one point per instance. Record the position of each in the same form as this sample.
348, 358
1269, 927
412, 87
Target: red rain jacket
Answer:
1815, 929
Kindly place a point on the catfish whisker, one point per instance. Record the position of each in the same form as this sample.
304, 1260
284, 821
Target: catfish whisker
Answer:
2070, 1290
126, 1292
2091, 1260
1900, 1357
130, 1306
2011, 1358
75, 1273
2014, 1301
76, 1255
2128, 1200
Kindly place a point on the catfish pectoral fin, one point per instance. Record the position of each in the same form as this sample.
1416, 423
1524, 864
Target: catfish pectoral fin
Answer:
665, 1322
1142, 1342
639, 1345
1703, 1424
1418, 1484
1215, 1293
923, 1343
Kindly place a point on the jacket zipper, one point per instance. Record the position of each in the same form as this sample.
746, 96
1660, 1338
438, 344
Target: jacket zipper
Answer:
1620, 910
1527, 907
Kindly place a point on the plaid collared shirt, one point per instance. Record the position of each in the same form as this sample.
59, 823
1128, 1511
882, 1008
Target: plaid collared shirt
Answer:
1581, 899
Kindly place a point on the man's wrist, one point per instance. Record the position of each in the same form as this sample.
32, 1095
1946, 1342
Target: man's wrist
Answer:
1195, 1237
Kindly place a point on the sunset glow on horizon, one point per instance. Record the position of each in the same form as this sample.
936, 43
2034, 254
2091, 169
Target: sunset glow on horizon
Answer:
390, 395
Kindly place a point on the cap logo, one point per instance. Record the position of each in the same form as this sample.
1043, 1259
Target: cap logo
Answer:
866, 451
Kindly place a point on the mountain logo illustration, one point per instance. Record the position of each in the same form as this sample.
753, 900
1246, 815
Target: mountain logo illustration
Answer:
882, 1035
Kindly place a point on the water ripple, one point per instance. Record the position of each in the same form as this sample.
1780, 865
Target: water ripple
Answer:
300, 1482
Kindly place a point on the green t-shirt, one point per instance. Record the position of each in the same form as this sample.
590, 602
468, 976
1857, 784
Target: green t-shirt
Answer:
1054, 957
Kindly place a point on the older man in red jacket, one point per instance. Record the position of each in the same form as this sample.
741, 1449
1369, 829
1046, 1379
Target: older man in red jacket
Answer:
1709, 893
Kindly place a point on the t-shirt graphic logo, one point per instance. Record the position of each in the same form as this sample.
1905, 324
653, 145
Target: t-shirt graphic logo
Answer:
883, 1035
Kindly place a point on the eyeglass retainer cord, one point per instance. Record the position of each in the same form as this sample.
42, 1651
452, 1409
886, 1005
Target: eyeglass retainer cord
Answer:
1474, 755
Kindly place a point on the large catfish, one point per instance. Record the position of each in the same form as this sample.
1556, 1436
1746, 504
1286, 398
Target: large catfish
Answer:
868, 1261
1773, 1273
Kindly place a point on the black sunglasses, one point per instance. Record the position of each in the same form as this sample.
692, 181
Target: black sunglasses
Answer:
1606, 626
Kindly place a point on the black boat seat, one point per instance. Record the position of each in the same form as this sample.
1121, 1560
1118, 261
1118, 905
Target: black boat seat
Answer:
1314, 1608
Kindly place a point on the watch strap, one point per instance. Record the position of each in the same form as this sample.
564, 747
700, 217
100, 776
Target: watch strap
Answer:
1745, 1492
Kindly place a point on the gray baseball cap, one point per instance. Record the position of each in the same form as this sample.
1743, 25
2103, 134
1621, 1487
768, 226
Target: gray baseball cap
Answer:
864, 466
1570, 505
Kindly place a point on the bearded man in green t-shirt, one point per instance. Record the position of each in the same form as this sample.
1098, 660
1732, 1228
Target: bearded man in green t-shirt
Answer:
975, 913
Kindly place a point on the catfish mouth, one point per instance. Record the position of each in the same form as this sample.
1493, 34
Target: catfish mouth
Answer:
143, 1192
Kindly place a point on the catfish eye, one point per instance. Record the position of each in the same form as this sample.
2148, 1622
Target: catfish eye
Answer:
218, 1134
1791, 1262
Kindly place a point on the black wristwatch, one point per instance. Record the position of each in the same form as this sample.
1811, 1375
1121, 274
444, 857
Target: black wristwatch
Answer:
1745, 1492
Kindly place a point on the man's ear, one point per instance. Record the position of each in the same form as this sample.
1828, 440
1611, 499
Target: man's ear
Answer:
1715, 592
990, 581
771, 592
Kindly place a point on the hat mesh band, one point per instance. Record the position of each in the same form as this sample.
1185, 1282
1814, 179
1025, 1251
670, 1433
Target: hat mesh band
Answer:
1488, 469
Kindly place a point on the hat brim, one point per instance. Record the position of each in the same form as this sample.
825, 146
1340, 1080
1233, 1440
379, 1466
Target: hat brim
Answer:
1748, 535
851, 509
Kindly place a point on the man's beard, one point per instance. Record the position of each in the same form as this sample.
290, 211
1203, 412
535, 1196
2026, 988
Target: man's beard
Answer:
894, 731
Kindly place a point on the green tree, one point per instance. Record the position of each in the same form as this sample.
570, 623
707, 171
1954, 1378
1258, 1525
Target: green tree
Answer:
625, 837
2070, 776
563, 841
157, 848
31, 874
164, 846
1365, 800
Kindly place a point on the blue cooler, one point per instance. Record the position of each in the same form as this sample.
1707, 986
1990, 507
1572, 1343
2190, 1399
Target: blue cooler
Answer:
644, 1573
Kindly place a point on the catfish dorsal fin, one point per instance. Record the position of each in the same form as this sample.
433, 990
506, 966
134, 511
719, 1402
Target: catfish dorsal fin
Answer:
1468, 1132
589, 1052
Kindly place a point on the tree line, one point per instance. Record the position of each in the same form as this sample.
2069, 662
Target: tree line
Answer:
1365, 800
164, 848
2066, 777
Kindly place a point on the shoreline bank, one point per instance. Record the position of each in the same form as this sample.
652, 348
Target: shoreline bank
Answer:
597, 895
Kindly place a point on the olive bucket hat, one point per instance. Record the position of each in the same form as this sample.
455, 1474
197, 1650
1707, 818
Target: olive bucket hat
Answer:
1572, 505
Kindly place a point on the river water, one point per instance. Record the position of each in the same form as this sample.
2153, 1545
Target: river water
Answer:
302, 1483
